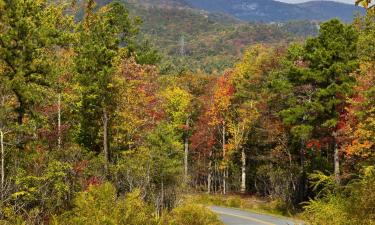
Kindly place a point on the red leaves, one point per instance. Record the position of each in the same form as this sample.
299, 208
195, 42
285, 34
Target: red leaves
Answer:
79, 167
203, 138
221, 100
93, 181
314, 144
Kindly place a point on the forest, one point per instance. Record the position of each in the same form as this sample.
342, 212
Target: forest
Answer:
95, 129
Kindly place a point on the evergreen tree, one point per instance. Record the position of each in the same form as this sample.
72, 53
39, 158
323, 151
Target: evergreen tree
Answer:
31, 31
319, 80
104, 38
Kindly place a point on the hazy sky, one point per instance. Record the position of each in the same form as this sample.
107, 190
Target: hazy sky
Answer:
297, 1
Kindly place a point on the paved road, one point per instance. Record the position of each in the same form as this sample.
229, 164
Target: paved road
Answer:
238, 217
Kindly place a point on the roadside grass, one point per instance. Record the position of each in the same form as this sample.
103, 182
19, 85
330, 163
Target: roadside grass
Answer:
244, 202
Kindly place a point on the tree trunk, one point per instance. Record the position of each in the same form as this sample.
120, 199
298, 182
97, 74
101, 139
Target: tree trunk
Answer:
2, 164
337, 164
21, 114
225, 169
59, 121
105, 138
21, 107
209, 177
243, 171
186, 153
162, 194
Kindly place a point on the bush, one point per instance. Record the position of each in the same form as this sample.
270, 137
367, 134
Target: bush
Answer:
351, 204
191, 214
100, 205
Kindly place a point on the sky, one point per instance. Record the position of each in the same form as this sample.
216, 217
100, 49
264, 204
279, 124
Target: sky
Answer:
297, 1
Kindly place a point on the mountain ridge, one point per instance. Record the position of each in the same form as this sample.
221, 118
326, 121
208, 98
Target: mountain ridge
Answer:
267, 10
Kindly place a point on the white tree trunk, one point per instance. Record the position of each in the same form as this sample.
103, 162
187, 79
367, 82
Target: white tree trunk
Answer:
337, 164
209, 177
2, 163
105, 139
243, 171
162, 194
59, 121
225, 169
186, 156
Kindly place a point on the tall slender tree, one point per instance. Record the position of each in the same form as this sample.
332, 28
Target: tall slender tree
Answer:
104, 38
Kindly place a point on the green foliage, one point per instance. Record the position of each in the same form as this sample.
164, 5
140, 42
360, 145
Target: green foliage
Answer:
49, 190
100, 205
192, 214
352, 204
322, 183
320, 76
31, 34
166, 153
11, 217
100, 36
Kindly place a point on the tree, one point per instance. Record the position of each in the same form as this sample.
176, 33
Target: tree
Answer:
165, 146
358, 131
319, 75
365, 3
204, 138
31, 31
219, 114
104, 37
248, 80
138, 107
177, 103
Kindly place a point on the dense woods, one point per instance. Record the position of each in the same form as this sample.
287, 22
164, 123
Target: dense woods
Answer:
96, 128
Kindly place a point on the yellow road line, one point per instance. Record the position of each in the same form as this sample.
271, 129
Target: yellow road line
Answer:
245, 217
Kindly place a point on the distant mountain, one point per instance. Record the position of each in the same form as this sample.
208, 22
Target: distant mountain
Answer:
274, 11
196, 39
328, 9
161, 3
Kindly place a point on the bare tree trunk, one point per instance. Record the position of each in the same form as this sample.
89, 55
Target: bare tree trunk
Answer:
162, 194
186, 153
225, 169
209, 177
2, 164
59, 121
243, 171
105, 138
291, 173
337, 164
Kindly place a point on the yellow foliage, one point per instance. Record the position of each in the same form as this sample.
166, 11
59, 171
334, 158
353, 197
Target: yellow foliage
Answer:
176, 102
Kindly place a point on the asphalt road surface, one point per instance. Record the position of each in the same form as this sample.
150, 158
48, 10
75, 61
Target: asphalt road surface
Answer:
238, 217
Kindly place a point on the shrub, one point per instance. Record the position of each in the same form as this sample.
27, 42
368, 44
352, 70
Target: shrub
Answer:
100, 205
351, 204
192, 214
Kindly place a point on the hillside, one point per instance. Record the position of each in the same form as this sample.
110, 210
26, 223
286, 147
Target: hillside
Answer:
196, 39
211, 35
325, 10
162, 3
274, 11
192, 39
